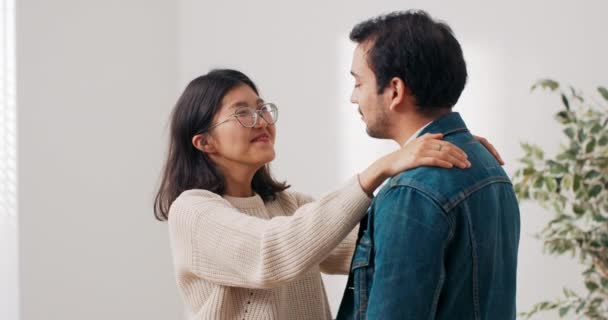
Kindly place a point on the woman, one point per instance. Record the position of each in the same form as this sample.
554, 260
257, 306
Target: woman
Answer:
243, 246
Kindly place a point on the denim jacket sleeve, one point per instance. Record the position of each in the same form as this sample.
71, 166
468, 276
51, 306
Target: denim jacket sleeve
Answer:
410, 235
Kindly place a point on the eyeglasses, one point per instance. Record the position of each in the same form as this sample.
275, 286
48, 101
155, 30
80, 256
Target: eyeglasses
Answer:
248, 117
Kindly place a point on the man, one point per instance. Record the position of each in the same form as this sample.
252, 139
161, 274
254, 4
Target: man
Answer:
437, 243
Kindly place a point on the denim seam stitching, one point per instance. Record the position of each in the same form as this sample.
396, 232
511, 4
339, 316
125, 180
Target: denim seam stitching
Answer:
446, 204
474, 188
455, 130
434, 201
476, 306
442, 277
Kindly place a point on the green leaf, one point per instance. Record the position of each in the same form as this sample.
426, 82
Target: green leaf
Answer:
558, 209
603, 92
538, 183
577, 182
592, 286
527, 147
567, 182
567, 155
599, 218
563, 311
546, 84
603, 140
557, 168
595, 190
563, 117
529, 171
568, 293
592, 175
582, 136
576, 95
565, 101
578, 209
569, 132
550, 183
590, 146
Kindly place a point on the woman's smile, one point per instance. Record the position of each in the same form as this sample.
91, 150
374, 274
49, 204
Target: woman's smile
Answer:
261, 138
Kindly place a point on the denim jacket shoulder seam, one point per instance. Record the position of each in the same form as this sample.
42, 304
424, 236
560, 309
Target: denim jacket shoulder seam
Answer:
455, 130
430, 197
456, 200
447, 204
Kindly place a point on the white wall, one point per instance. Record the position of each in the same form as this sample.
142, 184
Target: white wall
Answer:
96, 80
300, 58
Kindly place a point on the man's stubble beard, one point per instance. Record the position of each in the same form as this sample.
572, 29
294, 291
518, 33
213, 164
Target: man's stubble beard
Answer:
380, 126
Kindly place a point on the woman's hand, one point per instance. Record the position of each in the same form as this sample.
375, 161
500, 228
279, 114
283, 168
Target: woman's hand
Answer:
426, 150
490, 148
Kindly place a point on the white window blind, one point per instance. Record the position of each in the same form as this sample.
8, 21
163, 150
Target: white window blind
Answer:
9, 294
8, 119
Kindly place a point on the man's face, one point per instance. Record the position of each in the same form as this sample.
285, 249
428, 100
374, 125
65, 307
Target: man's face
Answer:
372, 106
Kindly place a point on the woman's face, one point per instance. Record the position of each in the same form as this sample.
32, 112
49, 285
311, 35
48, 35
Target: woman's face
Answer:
234, 144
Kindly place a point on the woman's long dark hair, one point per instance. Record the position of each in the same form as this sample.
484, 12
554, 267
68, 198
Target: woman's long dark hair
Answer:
189, 168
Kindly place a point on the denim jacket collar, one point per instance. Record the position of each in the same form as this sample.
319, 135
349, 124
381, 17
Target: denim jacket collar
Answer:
446, 124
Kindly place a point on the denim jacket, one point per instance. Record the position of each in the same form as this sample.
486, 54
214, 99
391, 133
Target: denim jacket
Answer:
438, 243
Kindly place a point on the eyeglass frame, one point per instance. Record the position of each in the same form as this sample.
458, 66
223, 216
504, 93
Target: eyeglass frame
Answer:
256, 113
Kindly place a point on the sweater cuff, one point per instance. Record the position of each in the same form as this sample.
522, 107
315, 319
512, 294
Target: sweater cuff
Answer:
356, 182
358, 201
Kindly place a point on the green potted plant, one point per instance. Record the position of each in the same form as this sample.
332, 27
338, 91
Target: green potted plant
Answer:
573, 185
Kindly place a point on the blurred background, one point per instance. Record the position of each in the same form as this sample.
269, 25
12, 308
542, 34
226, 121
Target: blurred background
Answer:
87, 88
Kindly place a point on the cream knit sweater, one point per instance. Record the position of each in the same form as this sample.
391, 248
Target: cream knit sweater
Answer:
241, 258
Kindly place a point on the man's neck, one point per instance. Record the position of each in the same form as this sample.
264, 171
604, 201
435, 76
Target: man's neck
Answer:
411, 124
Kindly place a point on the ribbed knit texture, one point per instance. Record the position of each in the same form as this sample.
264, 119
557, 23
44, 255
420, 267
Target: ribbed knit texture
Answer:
241, 258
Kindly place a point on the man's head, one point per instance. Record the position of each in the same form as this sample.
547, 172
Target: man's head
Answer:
405, 62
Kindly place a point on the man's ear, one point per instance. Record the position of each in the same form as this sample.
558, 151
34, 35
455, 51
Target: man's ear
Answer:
204, 143
398, 93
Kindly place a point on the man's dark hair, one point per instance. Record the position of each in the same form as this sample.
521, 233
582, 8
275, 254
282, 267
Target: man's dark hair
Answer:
422, 52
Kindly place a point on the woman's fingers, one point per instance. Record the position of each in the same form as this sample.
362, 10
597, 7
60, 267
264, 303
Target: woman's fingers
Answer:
445, 151
490, 148
456, 160
441, 145
427, 136
454, 151
431, 145
435, 162
430, 150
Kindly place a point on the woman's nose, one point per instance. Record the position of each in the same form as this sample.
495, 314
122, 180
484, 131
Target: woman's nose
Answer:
260, 123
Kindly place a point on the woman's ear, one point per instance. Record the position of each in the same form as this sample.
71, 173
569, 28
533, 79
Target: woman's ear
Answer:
204, 143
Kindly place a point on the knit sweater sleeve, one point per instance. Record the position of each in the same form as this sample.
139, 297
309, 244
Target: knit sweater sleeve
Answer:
339, 260
214, 241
